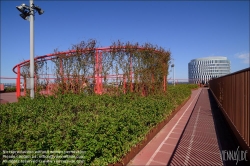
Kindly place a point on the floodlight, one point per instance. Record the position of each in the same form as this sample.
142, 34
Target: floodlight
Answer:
25, 15
39, 10
22, 8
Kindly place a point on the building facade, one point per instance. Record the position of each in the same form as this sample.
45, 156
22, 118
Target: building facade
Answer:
204, 69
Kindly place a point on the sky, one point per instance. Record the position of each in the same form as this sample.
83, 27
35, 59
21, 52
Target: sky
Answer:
188, 29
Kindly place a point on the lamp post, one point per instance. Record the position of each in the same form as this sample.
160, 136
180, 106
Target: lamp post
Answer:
28, 12
173, 73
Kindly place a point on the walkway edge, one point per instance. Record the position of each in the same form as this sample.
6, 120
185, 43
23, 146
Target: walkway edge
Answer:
167, 135
157, 150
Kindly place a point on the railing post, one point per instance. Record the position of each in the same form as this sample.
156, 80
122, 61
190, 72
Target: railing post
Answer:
34, 84
16, 87
164, 84
124, 84
153, 82
47, 89
96, 87
131, 85
100, 72
24, 86
18, 82
24, 90
61, 67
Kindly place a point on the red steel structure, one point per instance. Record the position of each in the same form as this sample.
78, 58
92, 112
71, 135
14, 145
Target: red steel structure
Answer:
98, 89
232, 93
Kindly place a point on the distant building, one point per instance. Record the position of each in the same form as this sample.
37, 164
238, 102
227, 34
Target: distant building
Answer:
204, 69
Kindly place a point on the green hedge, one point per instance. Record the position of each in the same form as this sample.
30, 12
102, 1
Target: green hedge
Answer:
105, 127
10, 89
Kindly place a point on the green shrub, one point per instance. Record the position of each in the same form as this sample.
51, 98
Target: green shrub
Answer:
105, 127
10, 89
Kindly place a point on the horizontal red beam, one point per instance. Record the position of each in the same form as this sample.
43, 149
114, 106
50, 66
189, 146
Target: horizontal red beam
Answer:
50, 56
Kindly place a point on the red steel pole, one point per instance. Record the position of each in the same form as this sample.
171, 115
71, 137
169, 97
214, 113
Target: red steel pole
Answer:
47, 87
100, 71
131, 86
24, 88
124, 84
18, 81
16, 87
164, 84
61, 68
96, 73
153, 81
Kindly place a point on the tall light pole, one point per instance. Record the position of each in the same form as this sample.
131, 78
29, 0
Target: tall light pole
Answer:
32, 50
173, 72
27, 12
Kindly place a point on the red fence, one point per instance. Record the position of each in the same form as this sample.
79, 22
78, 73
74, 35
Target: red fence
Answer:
232, 93
1, 87
97, 70
98, 77
11, 79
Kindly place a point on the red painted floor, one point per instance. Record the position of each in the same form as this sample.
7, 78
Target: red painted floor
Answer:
8, 97
160, 149
199, 144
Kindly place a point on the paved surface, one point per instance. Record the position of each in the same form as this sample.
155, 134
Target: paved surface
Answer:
198, 144
160, 149
197, 135
8, 97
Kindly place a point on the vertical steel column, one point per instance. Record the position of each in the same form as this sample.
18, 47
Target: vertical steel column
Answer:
18, 82
32, 94
124, 84
96, 72
173, 76
16, 87
131, 85
61, 68
164, 75
47, 87
164, 84
24, 87
100, 72
35, 83
62, 74
153, 82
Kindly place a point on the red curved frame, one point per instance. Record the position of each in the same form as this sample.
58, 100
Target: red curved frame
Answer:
98, 59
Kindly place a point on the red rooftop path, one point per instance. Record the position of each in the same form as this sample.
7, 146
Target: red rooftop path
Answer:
196, 135
160, 149
8, 97
199, 144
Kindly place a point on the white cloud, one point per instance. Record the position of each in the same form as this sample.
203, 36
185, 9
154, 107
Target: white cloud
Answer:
244, 57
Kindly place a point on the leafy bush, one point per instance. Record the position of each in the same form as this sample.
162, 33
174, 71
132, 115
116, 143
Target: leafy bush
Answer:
10, 89
105, 127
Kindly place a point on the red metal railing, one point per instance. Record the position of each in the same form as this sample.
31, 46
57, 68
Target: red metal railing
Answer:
232, 93
98, 67
1, 87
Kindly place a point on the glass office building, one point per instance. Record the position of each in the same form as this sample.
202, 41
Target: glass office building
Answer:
204, 69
